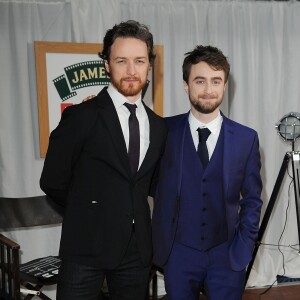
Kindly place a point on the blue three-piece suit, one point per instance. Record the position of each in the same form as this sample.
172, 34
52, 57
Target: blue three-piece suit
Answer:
205, 209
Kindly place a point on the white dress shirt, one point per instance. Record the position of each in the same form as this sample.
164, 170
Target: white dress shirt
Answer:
123, 114
214, 126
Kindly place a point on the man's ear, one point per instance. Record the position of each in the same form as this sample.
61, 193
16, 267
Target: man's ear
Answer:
186, 87
225, 86
149, 69
106, 64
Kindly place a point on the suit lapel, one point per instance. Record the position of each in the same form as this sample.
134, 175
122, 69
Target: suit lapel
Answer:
177, 138
110, 117
182, 128
229, 152
154, 142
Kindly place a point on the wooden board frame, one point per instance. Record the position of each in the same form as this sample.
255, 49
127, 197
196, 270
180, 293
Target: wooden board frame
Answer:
42, 48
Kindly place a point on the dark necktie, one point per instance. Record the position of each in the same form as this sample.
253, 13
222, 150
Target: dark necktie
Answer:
202, 148
134, 138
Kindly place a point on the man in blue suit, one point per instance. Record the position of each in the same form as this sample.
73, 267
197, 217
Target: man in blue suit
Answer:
207, 204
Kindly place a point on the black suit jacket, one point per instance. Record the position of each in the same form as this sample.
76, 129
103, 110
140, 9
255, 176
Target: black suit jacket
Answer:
87, 171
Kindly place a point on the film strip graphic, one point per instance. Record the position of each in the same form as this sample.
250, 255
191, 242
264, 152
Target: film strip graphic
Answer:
80, 75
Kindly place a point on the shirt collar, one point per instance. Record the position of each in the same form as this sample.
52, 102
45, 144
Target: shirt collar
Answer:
119, 99
214, 125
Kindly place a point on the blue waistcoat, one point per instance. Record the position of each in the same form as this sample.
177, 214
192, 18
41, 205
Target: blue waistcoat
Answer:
202, 213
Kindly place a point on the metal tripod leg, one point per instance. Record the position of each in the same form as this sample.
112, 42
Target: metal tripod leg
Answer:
296, 158
269, 209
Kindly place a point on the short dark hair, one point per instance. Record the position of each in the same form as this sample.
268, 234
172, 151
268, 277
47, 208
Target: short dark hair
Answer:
211, 55
128, 29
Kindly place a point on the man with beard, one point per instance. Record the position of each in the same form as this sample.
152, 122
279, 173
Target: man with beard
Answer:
99, 166
207, 205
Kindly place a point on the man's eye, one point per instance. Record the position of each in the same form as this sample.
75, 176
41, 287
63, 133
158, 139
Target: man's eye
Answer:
140, 62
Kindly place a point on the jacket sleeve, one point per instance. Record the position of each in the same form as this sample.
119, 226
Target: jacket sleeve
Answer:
65, 145
241, 249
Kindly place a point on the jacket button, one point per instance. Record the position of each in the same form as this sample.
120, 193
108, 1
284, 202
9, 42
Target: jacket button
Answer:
203, 209
203, 224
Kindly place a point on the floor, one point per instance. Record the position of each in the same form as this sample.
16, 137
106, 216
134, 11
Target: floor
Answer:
282, 292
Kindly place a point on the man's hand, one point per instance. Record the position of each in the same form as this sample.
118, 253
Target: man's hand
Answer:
88, 98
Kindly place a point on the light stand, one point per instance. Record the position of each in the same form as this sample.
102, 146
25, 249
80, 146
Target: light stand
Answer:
289, 129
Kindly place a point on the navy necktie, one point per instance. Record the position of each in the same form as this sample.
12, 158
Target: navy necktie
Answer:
134, 138
202, 148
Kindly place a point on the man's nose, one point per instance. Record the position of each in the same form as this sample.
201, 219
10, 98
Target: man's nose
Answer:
131, 68
208, 87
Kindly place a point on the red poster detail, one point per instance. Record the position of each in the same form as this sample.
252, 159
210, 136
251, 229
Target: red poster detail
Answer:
63, 106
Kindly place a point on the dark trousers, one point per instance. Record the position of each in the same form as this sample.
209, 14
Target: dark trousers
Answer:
129, 281
189, 270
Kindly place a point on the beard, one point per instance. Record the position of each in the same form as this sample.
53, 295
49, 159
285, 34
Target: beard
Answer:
205, 107
129, 89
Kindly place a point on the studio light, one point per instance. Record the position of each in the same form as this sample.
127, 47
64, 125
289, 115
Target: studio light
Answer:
289, 126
